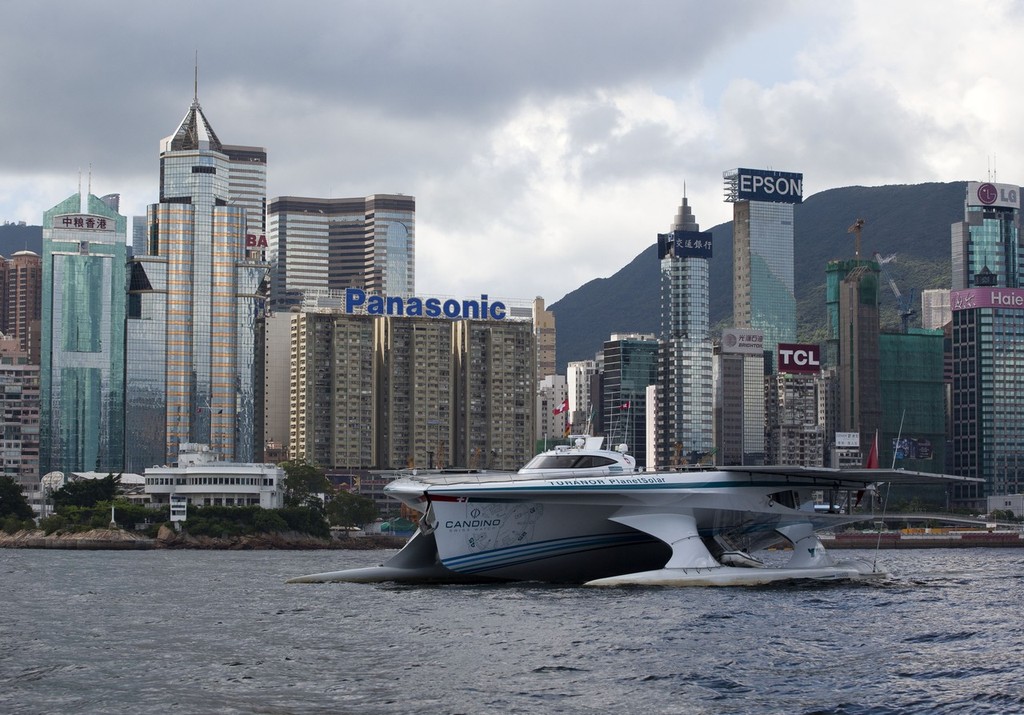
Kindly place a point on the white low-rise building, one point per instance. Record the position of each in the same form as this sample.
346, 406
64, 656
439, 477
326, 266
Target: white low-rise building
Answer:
1007, 502
206, 481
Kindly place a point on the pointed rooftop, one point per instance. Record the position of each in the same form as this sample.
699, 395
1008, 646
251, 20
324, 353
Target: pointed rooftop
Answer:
684, 220
193, 134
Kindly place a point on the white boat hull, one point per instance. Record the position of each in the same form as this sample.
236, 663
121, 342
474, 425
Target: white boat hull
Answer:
583, 515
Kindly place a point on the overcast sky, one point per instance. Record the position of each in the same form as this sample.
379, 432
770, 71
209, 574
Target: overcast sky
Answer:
546, 143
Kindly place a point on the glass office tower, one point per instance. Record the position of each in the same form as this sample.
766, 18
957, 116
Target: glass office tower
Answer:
82, 356
764, 296
987, 306
194, 299
317, 245
685, 415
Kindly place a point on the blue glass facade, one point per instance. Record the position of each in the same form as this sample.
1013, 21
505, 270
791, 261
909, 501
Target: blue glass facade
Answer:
82, 355
764, 295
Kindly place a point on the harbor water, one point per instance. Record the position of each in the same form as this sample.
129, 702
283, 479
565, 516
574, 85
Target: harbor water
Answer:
220, 632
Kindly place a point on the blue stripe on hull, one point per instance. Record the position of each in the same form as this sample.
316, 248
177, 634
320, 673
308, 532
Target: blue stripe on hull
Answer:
517, 555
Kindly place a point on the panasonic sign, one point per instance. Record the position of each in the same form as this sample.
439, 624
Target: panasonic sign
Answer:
361, 302
780, 187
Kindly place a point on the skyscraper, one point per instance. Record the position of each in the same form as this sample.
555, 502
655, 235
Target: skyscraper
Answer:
762, 282
82, 357
332, 244
193, 304
987, 304
247, 187
630, 366
739, 398
685, 413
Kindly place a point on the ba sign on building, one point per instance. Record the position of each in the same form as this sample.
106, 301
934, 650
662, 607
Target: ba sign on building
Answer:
797, 358
778, 187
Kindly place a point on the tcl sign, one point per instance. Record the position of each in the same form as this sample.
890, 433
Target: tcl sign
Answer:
254, 241
799, 358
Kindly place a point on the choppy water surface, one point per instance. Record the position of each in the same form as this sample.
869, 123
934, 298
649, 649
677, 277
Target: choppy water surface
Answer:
220, 632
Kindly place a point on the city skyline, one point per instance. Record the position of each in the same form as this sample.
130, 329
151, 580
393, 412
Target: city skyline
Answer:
571, 125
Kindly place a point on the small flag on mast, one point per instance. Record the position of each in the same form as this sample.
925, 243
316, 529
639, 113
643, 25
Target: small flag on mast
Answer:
872, 461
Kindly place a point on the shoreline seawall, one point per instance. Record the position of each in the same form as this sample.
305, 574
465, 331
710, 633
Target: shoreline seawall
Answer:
120, 540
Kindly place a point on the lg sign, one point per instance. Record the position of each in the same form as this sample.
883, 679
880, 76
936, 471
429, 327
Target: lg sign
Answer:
799, 358
989, 194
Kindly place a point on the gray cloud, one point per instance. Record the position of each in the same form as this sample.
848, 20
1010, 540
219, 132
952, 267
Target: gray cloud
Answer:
525, 129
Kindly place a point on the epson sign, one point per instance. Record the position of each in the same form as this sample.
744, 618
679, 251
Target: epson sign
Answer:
778, 187
796, 358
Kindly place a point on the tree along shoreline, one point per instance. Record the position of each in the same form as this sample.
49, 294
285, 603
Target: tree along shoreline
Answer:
166, 538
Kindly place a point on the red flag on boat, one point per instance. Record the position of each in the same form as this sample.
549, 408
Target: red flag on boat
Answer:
564, 407
872, 462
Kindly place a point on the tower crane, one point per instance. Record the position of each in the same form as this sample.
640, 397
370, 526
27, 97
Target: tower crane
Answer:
905, 302
855, 229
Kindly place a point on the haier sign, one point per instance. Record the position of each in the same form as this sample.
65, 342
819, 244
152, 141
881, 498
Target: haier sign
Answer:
778, 187
795, 358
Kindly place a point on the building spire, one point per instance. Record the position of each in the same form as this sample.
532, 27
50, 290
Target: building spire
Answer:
194, 132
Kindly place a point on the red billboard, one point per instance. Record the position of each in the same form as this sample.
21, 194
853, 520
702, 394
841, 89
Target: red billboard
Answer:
798, 358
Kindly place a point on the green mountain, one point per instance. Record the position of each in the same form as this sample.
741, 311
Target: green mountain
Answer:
909, 222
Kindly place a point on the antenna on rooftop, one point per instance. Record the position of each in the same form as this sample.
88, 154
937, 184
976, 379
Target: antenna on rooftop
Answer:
195, 81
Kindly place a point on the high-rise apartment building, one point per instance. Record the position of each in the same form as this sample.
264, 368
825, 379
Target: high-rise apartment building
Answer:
580, 378
544, 332
685, 409
82, 361
496, 380
397, 391
332, 244
21, 281
987, 304
763, 287
19, 419
194, 300
553, 415
796, 433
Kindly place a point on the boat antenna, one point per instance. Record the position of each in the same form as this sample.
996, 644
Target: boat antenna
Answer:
888, 489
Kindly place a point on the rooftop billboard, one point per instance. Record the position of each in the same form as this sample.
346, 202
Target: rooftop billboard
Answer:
779, 187
970, 298
988, 194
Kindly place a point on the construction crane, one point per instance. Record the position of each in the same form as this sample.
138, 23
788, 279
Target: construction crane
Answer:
905, 302
855, 230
